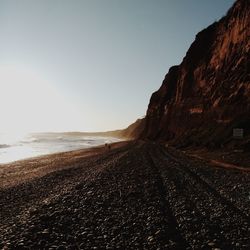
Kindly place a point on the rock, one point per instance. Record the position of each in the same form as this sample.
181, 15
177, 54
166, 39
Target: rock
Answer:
45, 231
211, 244
150, 238
209, 90
158, 232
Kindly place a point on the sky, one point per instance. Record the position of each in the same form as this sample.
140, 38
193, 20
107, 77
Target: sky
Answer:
91, 65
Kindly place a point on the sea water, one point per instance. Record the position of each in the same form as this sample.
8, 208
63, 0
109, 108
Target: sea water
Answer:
13, 148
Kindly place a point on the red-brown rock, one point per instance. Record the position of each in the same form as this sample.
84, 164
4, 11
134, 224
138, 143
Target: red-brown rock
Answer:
201, 100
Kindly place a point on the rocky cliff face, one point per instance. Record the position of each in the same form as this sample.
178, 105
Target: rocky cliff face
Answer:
201, 100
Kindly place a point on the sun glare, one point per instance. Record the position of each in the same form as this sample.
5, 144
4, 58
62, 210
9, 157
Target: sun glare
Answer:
30, 103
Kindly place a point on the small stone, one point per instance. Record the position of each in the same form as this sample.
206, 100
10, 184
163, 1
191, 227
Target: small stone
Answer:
211, 244
150, 238
158, 232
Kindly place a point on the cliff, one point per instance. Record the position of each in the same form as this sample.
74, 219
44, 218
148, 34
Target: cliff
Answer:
204, 98
129, 133
133, 130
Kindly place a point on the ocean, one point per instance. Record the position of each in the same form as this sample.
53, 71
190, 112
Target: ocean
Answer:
13, 148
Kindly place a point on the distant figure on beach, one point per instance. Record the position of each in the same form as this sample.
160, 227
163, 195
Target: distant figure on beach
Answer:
107, 146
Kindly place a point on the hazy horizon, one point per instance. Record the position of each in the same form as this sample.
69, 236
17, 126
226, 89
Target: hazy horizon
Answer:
90, 65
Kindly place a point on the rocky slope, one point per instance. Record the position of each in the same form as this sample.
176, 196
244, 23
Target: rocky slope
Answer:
201, 100
133, 130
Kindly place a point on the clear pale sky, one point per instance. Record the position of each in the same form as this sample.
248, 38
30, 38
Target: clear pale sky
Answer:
91, 65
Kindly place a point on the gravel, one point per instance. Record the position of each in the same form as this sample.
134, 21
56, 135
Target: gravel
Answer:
138, 196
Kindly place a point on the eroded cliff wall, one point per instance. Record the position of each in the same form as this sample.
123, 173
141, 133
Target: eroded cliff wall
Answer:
201, 100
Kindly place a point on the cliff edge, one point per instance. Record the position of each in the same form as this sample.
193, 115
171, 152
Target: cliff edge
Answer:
202, 100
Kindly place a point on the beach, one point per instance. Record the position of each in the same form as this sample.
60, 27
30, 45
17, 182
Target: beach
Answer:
27, 145
135, 195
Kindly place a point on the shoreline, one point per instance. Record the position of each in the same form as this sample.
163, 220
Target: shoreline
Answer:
42, 144
20, 171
